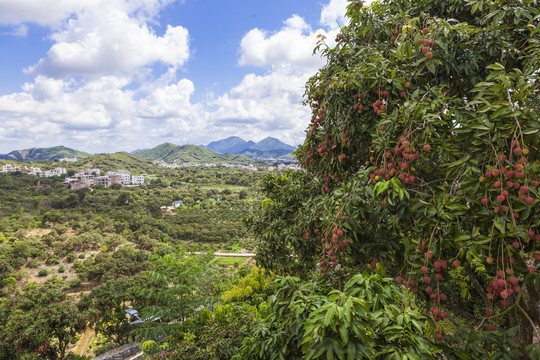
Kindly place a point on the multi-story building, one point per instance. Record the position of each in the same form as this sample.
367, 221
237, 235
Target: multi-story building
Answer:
115, 179
87, 179
125, 175
137, 180
102, 180
10, 168
94, 172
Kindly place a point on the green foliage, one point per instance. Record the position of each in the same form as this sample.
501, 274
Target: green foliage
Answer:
248, 285
367, 320
422, 160
193, 280
40, 324
106, 306
43, 272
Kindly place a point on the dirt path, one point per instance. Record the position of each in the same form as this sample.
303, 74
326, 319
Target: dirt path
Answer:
82, 346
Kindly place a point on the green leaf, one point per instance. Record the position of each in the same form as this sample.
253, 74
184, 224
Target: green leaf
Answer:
329, 315
431, 66
344, 333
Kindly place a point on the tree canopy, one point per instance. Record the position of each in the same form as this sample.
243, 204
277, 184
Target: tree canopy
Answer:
422, 162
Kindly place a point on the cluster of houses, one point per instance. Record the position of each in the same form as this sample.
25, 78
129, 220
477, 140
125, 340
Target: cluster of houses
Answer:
175, 165
278, 167
282, 166
83, 178
58, 171
11, 168
89, 177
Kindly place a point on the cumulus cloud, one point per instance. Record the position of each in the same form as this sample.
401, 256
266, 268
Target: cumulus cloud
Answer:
333, 14
93, 91
52, 13
291, 46
93, 86
110, 42
271, 104
263, 105
102, 112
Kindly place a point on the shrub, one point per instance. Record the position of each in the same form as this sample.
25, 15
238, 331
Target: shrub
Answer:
43, 272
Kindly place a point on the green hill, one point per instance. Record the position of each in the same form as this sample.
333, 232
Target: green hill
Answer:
157, 153
44, 154
190, 153
114, 162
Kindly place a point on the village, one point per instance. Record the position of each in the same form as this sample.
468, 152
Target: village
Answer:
281, 166
82, 178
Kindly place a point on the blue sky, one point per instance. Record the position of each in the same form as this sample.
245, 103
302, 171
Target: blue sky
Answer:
117, 75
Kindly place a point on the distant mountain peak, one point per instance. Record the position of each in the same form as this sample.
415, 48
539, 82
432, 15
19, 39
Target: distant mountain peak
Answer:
269, 147
222, 146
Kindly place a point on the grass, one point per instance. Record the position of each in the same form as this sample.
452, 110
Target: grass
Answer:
231, 260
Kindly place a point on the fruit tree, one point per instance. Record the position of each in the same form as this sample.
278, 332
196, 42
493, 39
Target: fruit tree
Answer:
422, 161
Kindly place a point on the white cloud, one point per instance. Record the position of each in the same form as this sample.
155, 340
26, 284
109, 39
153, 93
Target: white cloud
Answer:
291, 46
53, 12
260, 106
110, 42
271, 104
333, 14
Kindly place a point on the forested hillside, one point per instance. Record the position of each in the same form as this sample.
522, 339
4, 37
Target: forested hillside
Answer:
56, 242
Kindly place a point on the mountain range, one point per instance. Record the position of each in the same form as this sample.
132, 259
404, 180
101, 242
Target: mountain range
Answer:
170, 153
267, 148
230, 150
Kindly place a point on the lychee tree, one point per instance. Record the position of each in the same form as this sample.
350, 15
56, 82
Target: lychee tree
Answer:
422, 159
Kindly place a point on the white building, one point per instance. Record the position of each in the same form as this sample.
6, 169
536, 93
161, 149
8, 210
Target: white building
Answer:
10, 168
137, 180
126, 176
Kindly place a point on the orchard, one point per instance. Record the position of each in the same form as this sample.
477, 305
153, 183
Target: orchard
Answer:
422, 164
